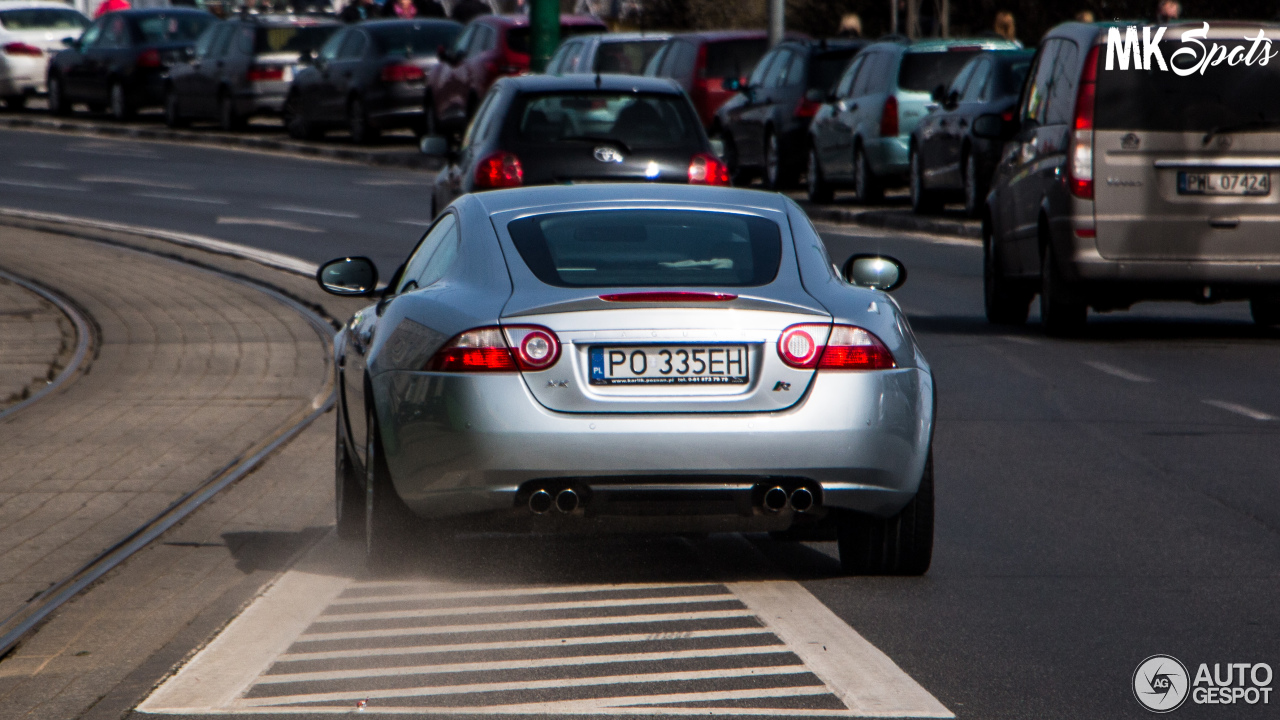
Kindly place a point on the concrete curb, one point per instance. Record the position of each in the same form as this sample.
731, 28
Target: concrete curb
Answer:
897, 220
407, 159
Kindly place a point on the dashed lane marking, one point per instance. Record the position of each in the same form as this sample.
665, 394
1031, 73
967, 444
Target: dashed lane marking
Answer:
182, 198
41, 185
312, 211
268, 222
41, 165
143, 182
1240, 410
1114, 371
324, 642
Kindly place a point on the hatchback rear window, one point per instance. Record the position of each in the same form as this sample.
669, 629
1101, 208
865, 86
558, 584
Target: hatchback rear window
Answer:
291, 38
649, 248
176, 28
42, 19
414, 38
626, 58
1223, 98
518, 37
826, 68
924, 71
733, 58
632, 120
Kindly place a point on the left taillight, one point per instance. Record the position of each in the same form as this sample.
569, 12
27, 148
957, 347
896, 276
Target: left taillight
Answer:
402, 72
149, 58
265, 73
23, 49
806, 108
489, 349
499, 170
706, 169
847, 347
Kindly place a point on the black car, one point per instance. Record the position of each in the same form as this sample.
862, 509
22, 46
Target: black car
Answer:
121, 60
545, 129
765, 127
242, 68
368, 78
946, 158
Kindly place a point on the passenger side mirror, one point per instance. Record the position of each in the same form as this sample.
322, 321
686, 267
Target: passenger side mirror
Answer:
349, 276
994, 127
878, 272
731, 84
939, 94
434, 145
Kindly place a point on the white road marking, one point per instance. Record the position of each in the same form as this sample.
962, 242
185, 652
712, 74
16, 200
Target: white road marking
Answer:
635, 704
40, 185
101, 148
411, 221
182, 198
524, 625
380, 182
122, 180
268, 222
1117, 372
311, 211
865, 232
580, 660
1020, 340
524, 607
1240, 409
506, 592
518, 644
42, 165
438, 690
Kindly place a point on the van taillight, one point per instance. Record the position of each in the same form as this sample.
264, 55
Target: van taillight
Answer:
149, 58
889, 118
489, 349
1080, 164
499, 170
847, 347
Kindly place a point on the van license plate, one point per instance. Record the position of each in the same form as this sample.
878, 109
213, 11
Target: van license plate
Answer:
1223, 183
669, 365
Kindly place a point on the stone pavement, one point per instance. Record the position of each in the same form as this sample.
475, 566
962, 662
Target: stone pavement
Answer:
36, 340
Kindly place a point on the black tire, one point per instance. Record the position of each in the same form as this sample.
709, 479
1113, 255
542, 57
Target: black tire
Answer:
173, 111
119, 105
430, 123
388, 521
228, 119
773, 166
348, 496
1265, 311
923, 200
820, 190
866, 185
1063, 313
975, 191
296, 123
362, 133
898, 545
58, 104
738, 175
15, 103
1007, 301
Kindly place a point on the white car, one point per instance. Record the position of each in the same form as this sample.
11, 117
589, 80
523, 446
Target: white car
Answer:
31, 32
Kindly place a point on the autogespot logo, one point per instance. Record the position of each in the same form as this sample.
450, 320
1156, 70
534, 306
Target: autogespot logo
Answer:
1160, 683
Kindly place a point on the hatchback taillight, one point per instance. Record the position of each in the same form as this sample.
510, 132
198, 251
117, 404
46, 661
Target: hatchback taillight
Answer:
265, 73
1080, 165
806, 108
489, 349
401, 72
889, 118
21, 48
846, 348
499, 170
149, 58
706, 169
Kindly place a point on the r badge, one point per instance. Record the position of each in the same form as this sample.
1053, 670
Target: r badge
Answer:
782, 386
604, 153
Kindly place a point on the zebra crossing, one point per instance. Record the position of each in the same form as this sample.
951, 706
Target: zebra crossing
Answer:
324, 643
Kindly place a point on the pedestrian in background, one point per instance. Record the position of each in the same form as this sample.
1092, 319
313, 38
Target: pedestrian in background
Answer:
408, 9
1168, 11
111, 6
850, 26
1004, 26
464, 10
1085, 16
358, 10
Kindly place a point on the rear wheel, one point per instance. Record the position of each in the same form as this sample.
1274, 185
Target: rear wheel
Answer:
58, 104
1265, 310
173, 111
348, 496
898, 545
295, 121
865, 182
387, 519
15, 103
974, 192
1006, 302
1063, 312
923, 200
121, 108
362, 133
228, 119
819, 189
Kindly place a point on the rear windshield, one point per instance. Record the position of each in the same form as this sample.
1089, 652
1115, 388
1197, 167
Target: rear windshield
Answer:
183, 27
639, 248
633, 120
733, 58
414, 38
826, 68
518, 37
42, 19
625, 58
291, 38
1224, 97
924, 71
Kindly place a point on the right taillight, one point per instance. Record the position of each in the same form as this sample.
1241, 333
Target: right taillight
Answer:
21, 48
1080, 165
499, 170
846, 347
490, 349
889, 118
706, 169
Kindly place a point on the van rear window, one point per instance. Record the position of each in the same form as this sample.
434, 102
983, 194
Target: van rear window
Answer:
733, 58
1223, 98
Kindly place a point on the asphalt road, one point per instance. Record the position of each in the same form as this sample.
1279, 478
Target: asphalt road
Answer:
1100, 500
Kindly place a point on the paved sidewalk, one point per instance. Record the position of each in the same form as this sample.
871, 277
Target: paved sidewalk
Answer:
36, 340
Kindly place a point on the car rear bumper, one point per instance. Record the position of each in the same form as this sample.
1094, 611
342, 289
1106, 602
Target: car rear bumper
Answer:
1089, 265
22, 75
890, 157
466, 444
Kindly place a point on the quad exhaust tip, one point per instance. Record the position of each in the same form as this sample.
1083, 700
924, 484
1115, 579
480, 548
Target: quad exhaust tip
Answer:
775, 499
567, 500
540, 502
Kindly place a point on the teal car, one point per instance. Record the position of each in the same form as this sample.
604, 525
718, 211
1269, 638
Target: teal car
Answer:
861, 137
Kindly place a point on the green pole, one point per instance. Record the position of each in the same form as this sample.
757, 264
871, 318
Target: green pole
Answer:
544, 25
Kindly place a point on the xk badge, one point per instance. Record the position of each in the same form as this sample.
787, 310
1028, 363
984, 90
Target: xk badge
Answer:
1160, 683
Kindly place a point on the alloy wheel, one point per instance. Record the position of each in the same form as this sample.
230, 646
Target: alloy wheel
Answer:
771, 161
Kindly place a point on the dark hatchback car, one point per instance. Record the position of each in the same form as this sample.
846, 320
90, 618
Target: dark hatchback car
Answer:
242, 68
947, 159
368, 78
122, 59
765, 127
543, 129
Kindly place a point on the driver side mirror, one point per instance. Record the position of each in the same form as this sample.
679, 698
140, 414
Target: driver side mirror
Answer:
878, 272
349, 276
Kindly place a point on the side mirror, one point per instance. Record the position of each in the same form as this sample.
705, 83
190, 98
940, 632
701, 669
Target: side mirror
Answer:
350, 276
717, 147
993, 127
306, 57
939, 94
879, 272
815, 95
71, 42
953, 99
732, 84
434, 145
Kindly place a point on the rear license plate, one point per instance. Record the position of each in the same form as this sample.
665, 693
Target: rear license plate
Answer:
1223, 183
669, 365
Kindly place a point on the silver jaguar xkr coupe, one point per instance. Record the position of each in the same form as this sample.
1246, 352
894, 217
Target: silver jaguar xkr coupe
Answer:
632, 357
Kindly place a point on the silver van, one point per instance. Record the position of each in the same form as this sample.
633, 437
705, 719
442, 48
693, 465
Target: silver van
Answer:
1121, 185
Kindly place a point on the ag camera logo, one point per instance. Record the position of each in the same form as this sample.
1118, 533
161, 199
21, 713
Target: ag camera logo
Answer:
1160, 683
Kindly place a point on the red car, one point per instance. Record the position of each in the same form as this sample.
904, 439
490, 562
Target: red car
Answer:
702, 61
491, 46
